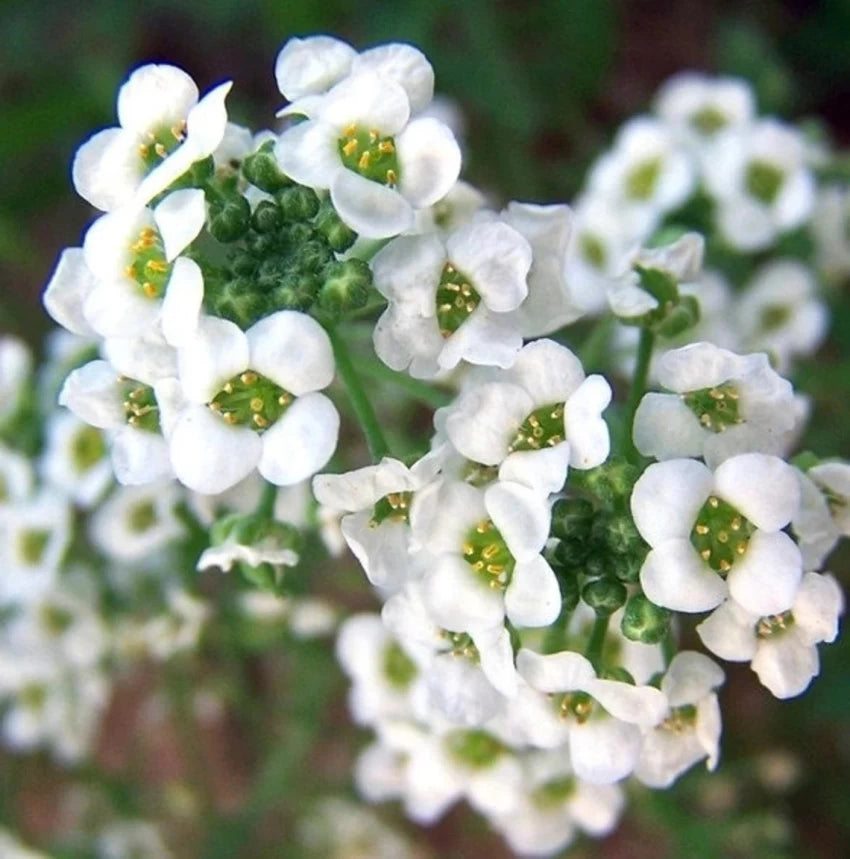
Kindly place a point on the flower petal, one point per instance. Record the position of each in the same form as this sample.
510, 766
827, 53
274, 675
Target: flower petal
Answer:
765, 579
674, 576
763, 488
369, 208
181, 306
430, 160
533, 598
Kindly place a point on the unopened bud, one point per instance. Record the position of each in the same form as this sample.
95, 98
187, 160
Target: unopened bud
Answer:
267, 217
339, 235
229, 218
261, 170
298, 203
346, 287
644, 621
571, 518
604, 596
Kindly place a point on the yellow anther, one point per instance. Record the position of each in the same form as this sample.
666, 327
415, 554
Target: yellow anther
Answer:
386, 146
534, 421
733, 395
392, 177
363, 162
130, 271
713, 502
259, 421
467, 549
256, 404
248, 378
722, 536
705, 554
132, 420
537, 431
495, 569
216, 407
532, 442
725, 566
741, 548
178, 132
160, 149
470, 307
149, 289
483, 527
466, 290
373, 135
229, 417
444, 308
490, 551
144, 150
735, 524
705, 419
449, 268
284, 400
553, 440
158, 266
127, 404
702, 529
557, 413
452, 287
478, 566
147, 234
349, 130
351, 147
716, 395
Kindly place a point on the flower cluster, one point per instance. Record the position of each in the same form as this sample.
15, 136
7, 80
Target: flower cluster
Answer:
539, 559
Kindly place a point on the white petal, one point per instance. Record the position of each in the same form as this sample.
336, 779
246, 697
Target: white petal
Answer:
458, 599
586, 431
155, 95
730, 632
690, 677
817, 608
301, 442
443, 512
430, 159
674, 576
140, 457
179, 218
497, 659
763, 488
533, 598
407, 271
293, 350
93, 393
640, 705
603, 751
147, 359
369, 208
70, 285
360, 489
543, 470
557, 672
786, 665
207, 121
312, 65
487, 338
521, 515
107, 169
366, 99
217, 351
665, 428
181, 306
208, 455
308, 153
404, 64
667, 498
548, 371
117, 309
765, 579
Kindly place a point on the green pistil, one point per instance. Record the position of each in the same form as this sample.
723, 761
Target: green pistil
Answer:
478, 474
544, 427
55, 620
575, 705
716, 408
485, 551
399, 669
476, 749
708, 121
31, 545
456, 299
142, 517
764, 181
721, 534
642, 178
774, 624
160, 144
462, 645
372, 156
395, 507
140, 407
681, 719
251, 399
774, 316
592, 250
553, 793
148, 266
87, 449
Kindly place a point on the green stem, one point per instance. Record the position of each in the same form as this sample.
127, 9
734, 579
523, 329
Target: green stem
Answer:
597, 640
422, 391
593, 350
639, 385
369, 422
267, 499
668, 648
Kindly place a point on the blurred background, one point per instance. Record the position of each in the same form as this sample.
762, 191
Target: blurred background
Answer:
543, 86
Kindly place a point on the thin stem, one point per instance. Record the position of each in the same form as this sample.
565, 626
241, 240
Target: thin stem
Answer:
597, 640
668, 647
369, 422
639, 384
267, 499
422, 391
595, 346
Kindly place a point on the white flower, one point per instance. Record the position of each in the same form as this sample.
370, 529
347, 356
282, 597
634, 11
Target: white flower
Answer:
540, 416
780, 312
833, 479
761, 183
163, 130
15, 368
600, 719
814, 527
253, 402
378, 165
722, 404
451, 301
376, 503
644, 174
487, 562
698, 107
179, 628
691, 729
782, 647
231, 552
829, 230
16, 478
140, 281
705, 529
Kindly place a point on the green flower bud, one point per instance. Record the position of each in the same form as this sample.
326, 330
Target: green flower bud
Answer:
238, 301
572, 552
627, 567
346, 286
339, 236
571, 518
263, 244
644, 621
604, 596
267, 217
243, 265
298, 203
229, 218
261, 170
611, 483
296, 291
313, 256
685, 316
619, 534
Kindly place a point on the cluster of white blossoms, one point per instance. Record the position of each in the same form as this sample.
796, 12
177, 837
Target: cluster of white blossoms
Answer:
538, 561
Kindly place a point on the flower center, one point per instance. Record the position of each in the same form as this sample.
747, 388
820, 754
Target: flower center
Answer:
462, 645
399, 668
54, 619
716, 408
148, 266
141, 517
721, 534
681, 719
140, 407
544, 427
642, 178
774, 624
774, 316
553, 793
87, 449
486, 552
160, 143
456, 299
592, 250
367, 153
251, 399
395, 507
32, 544
478, 474
575, 705
764, 181
474, 748
708, 120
